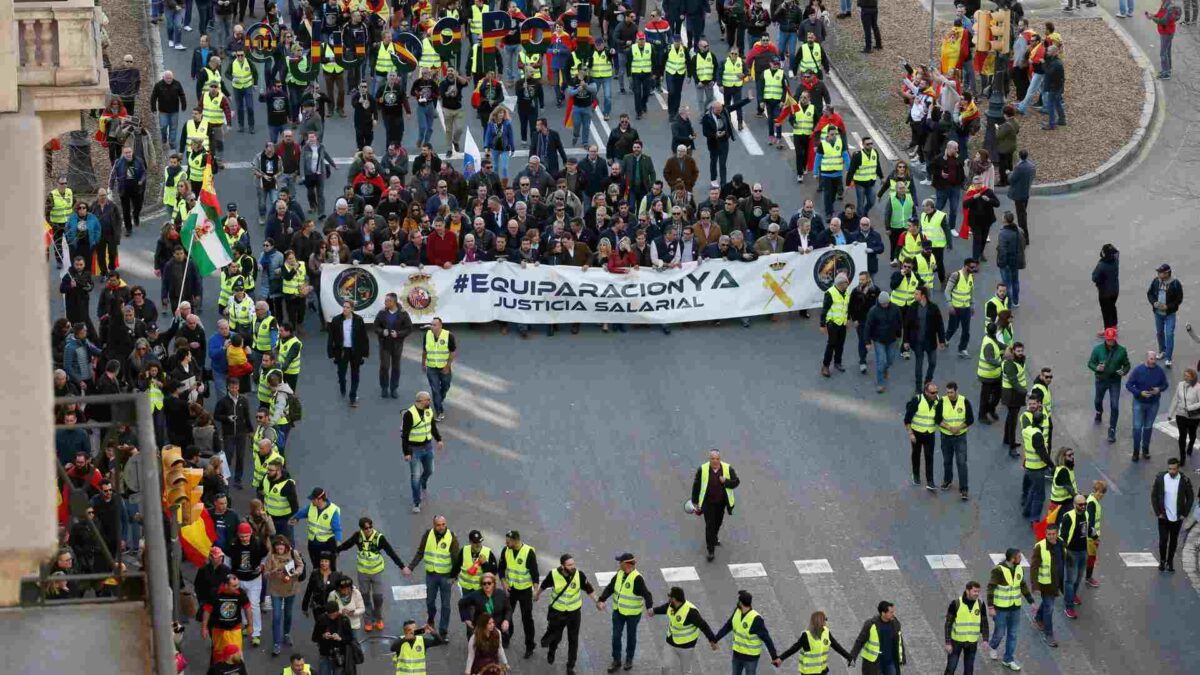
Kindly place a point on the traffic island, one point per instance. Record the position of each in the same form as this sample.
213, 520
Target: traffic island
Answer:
1109, 98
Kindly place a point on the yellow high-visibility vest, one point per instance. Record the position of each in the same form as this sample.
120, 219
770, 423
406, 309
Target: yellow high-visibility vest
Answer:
567, 597
1008, 594
773, 85
243, 74
704, 484
922, 420
810, 57
601, 65
296, 283
276, 504
902, 295
383, 58
1060, 494
410, 660
745, 642
476, 24
640, 64
831, 156
170, 191
732, 72
429, 56
985, 370
960, 293
1033, 461
422, 429
370, 559
967, 627
61, 205
291, 347
196, 164
867, 165
516, 567
437, 349
320, 525
953, 414
195, 131
627, 603
679, 632
815, 659
870, 651
840, 307
1044, 575
470, 582
931, 227
802, 120
676, 60
213, 112
706, 67
329, 64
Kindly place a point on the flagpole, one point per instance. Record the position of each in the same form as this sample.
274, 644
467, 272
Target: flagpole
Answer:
188, 261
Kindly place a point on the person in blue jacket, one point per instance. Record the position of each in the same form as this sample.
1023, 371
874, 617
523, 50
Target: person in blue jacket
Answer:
1147, 382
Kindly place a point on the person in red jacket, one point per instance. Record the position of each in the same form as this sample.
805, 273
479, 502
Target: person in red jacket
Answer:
1164, 20
441, 246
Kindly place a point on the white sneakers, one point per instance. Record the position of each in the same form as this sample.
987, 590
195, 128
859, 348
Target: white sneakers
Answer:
1011, 665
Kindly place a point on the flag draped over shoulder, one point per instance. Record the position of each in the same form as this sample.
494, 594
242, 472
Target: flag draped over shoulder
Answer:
956, 46
965, 231
204, 240
196, 540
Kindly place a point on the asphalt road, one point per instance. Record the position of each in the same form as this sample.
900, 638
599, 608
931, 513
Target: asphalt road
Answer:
587, 443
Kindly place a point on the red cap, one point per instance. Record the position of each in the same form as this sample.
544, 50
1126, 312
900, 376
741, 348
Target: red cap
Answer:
641, 35
244, 528
1110, 333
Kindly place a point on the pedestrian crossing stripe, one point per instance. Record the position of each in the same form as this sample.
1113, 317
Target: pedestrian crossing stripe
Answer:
1139, 559
818, 566
945, 562
879, 563
673, 574
747, 570
998, 558
413, 592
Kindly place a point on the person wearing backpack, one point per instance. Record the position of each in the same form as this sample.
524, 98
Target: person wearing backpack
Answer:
1164, 20
285, 407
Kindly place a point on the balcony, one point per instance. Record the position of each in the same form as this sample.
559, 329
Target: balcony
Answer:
58, 59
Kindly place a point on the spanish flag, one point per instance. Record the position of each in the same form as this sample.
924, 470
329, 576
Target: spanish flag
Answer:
955, 48
965, 231
197, 539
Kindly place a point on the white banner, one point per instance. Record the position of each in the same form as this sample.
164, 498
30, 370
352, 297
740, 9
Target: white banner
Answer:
504, 291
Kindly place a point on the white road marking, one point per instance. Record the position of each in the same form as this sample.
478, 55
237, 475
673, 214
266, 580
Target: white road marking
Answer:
998, 558
879, 563
1138, 559
414, 592
881, 141
745, 136
661, 101
945, 562
747, 570
602, 578
673, 574
787, 138
818, 566
1167, 428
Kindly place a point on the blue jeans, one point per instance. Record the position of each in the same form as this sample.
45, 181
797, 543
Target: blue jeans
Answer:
131, 529
326, 667
425, 114
156, 9
244, 98
168, 127
512, 62
266, 199
1011, 276
954, 452
787, 46
422, 455
1074, 565
629, 625
439, 386
744, 666
885, 356
960, 317
1164, 329
438, 585
502, 162
1052, 102
1125, 7
864, 198
845, 6
1033, 494
281, 430
218, 380
604, 84
174, 25
951, 197
1006, 622
583, 125
1045, 614
1035, 86
1113, 387
1144, 413
281, 618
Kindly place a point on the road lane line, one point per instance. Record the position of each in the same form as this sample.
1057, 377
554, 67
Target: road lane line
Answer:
674, 574
747, 570
879, 563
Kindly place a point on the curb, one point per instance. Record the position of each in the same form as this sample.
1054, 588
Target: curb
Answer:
1148, 125
1189, 555
156, 57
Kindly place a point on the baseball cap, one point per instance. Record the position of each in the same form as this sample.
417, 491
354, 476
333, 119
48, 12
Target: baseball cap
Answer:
316, 492
512, 534
231, 206
475, 537
641, 35
626, 557
1164, 268
244, 528
1110, 333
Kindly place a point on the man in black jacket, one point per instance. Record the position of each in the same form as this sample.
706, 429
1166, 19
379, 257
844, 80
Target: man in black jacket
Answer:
927, 334
333, 636
949, 176
1172, 498
1165, 295
348, 347
233, 413
393, 326
862, 298
712, 495
885, 324
209, 578
168, 98
717, 127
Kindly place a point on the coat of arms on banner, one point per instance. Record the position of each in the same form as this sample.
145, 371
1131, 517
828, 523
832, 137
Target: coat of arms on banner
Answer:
420, 296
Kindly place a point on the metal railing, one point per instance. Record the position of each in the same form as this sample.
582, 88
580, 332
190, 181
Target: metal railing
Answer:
157, 571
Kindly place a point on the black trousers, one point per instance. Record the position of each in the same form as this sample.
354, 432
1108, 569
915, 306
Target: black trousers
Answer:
390, 355
556, 622
131, 208
522, 600
967, 652
1010, 425
393, 127
989, 397
106, 255
870, 24
1022, 206
1108, 311
834, 344
364, 135
922, 446
714, 516
1168, 539
801, 143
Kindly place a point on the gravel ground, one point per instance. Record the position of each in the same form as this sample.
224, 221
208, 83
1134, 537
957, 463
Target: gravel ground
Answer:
1097, 64
127, 35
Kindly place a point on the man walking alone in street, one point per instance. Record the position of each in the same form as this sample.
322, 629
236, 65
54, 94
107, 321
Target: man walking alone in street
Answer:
712, 495
1172, 498
393, 325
